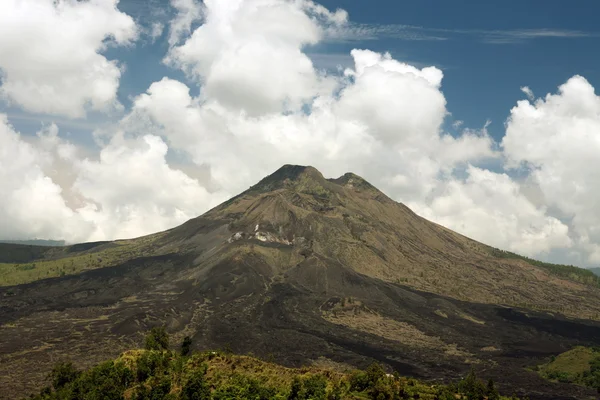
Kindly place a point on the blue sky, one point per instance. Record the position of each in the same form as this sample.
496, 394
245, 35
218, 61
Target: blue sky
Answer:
239, 98
483, 69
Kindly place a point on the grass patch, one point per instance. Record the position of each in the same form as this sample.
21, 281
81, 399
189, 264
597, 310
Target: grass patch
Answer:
580, 365
56, 262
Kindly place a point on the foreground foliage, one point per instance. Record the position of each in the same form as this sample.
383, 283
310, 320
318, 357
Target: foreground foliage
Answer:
159, 373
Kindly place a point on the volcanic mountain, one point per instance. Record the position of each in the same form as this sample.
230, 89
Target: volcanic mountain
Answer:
302, 269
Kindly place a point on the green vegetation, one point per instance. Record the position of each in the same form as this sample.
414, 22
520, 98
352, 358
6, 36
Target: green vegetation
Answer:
580, 365
157, 339
23, 264
163, 374
571, 272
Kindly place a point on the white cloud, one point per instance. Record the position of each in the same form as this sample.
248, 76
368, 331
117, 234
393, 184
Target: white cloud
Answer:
32, 205
385, 122
491, 207
188, 12
131, 190
263, 103
248, 54
50, 59
457, 124
382, 119
558, 139
156, 30
528, 92
51, 191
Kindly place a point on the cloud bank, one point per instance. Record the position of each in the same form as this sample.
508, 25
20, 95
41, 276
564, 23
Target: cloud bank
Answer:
50, 59
262, 103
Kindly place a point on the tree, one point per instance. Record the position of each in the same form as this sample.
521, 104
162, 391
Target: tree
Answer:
313, 387
186, 345
472, 387
492, 392
157, 339
196, 387
374, 373
62, 374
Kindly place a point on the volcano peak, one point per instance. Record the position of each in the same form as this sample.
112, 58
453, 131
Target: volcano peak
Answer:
290, 175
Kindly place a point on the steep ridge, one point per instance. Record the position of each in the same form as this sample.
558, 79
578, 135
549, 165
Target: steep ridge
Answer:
304, 268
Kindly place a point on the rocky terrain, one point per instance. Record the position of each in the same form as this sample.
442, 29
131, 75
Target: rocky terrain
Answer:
305, 270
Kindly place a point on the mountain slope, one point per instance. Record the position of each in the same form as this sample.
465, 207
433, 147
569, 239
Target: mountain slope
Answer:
302, 267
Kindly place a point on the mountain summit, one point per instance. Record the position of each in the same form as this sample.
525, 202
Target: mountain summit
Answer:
307, 270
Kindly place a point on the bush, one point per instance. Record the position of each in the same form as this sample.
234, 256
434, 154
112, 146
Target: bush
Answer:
243, 387
159, 373
106, 381
314, 388
150, 364
63, 373
196, 387
359, 381
158, 391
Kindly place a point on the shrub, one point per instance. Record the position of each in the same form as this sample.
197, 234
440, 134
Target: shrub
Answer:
359, 381
150, 363
243, 387
313, 387
159, 391
107, 381
196, 387
63, 373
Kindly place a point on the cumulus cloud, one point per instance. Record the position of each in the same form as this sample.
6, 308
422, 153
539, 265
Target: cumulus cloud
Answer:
557, 139
492, 208
156, 30
32, 205
383, 121
50, 54
51, 190
187, 12
262, 103
131, 190
248, 54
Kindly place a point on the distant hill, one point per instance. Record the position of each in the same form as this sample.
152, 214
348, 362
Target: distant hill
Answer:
596, 270
300, 268
36, 242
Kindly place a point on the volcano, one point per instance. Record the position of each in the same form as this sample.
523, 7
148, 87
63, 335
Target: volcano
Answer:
303, 270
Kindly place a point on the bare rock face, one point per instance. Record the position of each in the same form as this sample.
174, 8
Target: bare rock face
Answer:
301, 268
